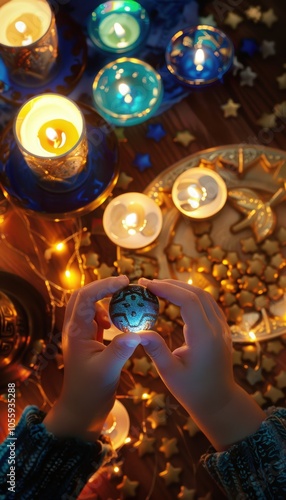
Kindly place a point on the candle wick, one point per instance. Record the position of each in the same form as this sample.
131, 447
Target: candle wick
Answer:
119, 30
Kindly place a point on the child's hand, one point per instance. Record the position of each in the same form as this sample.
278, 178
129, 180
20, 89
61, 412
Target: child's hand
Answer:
91, 370
200, 373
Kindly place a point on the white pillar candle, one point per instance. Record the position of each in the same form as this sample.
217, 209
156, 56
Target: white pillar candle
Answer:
50, 132
28, 39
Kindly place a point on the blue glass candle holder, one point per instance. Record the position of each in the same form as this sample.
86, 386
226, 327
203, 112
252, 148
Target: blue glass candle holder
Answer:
118, 26
199, 55
127, 91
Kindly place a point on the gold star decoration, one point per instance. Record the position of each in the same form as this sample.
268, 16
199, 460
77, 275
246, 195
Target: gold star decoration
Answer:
208, 20
90, 260
269, 17
123, 181
186, 494
233, 20
254, 13
137, 393
173, 311
127, 488
144, 445
156, 400
124, 265
247, 77
120, 134
191, 427
267, 48
267, 120
274, 394
281, 81
230, 108
254, 376
174, 251
157, 418
275, 347
141, 366
267, 363
104, 271
169, 447
258, 397
184, 137
236, 357
171, 474
281, 379
249, 353
280, 109
85, 239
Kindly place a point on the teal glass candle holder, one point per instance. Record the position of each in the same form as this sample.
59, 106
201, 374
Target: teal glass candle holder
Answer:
127, 91
199, 55
118, 26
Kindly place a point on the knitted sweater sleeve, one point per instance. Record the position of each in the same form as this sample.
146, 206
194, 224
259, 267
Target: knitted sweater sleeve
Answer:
254, 468
34, 464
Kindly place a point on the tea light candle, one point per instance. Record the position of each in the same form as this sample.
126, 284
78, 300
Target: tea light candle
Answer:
199, 193
127, 91
50, 132
118, 26
199, 55
28, 39
132, 220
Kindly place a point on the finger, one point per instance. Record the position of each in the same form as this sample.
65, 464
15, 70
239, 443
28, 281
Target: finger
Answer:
192, 311
81, 309
159, 352
118, 352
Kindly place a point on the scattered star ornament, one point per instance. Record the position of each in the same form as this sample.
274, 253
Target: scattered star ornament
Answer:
236, 66
269, 18
184, 137
142, 161
120, 134
267, 120
254, 13
171, 474
230, 108
208, 20
247, 77
267, 48
156, 131
249, 46
233, 20
123, 181
281, 81
128, 488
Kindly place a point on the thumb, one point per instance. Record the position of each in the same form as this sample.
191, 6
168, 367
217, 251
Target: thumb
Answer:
159, 352
119, 350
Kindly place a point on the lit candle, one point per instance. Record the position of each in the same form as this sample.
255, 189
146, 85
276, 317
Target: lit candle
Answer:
199, 193
118, 26
199, 55
50, 133
127, 91
132, 224
28, 39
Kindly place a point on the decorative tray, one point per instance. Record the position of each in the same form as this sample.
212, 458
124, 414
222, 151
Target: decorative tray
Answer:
238, 255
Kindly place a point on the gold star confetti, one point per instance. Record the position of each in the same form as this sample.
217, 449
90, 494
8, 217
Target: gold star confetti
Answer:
281, 379
120, 134
184, 264
157, 418
186, 494
145, 445
230, 108
169, 447
267, 120
123, 181
127, 488
258, 397
233, 20
247, 77
141, 365
267, 48
254, 13
85, 239
124, 265
281, 81
208, 20
191, 427
174, 252
104, 271
184, 137
273, 394
171, 474
275, 347
254, 376
173, 311
236, 357
156, 400
269, 17
90, 260
280, 110
137, 393
267, 363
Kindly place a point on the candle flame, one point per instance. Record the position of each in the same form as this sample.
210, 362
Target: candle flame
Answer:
131, 223
199, 59
119, 30
196, 195
57, 138
21, 26
252, 336
123, 88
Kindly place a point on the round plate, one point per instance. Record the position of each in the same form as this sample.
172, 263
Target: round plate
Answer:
68, 69
17, 348
121, 429
247, 224
92, 187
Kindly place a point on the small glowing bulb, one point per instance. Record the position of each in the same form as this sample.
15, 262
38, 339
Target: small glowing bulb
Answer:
131, 223
127, 440
67, 274
252, 335
197, 194
119, 30
116, 469
59, 247
199, 59
145, 395
190, 281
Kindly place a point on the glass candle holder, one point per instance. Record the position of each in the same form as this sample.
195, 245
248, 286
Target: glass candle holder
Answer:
50, 132
199, 55
118, 26
132, 220
127, 91
28, 40
199, 193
